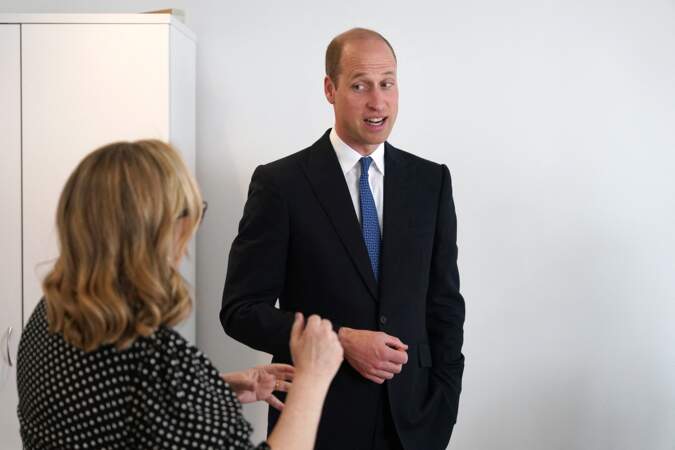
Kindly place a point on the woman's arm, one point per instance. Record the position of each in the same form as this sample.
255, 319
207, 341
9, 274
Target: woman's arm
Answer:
317, 355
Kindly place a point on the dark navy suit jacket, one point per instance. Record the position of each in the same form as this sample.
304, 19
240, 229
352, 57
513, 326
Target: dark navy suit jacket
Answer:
300, 241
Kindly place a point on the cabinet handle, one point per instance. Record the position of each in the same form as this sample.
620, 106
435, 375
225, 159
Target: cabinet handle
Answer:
9, 355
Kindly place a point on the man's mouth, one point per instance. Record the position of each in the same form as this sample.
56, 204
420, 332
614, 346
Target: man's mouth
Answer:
375, 122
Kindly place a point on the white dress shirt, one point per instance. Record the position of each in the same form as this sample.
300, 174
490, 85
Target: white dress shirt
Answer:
349, 160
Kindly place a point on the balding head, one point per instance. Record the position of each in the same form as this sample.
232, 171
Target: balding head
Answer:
361, 85
336, 46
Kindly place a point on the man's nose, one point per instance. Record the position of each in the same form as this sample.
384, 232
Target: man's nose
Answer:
376, 100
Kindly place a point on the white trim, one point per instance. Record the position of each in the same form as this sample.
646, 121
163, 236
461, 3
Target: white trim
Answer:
98, 19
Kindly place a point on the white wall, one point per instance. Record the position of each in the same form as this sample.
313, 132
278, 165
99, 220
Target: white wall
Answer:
557, 120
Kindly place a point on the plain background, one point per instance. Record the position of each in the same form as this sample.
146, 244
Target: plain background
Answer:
557, 121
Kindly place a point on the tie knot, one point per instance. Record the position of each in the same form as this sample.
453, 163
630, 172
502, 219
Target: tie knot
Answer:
365, 164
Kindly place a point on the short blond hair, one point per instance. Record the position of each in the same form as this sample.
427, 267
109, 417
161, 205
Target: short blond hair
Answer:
119, 238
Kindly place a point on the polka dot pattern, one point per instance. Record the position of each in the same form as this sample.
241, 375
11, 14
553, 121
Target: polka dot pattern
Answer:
160, 393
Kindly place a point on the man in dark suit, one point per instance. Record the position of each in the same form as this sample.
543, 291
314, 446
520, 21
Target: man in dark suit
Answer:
364, 234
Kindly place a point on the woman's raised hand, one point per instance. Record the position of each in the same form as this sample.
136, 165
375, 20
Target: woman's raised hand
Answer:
315, 347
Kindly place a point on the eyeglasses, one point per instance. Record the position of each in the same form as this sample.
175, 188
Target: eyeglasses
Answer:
205, 206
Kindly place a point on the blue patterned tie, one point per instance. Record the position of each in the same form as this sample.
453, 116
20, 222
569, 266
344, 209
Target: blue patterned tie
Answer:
370, 225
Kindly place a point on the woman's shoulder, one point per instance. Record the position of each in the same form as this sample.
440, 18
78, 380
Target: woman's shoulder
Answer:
170, 342
38, 318
35, 334
175, 351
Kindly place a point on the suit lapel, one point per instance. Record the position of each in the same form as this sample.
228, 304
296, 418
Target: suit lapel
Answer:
397, 211
324, 174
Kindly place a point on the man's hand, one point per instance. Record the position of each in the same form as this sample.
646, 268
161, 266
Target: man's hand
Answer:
374, 354
258, 383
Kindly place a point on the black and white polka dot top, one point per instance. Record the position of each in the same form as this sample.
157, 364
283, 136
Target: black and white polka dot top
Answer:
160, 393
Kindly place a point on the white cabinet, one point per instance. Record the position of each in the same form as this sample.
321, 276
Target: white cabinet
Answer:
10, 228
69, 84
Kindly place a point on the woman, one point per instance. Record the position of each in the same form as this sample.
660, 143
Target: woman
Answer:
99, 365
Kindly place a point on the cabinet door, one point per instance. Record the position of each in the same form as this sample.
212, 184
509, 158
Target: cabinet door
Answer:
10, 229
84, 85
183, 107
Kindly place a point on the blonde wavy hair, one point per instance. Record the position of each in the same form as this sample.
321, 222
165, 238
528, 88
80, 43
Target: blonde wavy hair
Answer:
124, 219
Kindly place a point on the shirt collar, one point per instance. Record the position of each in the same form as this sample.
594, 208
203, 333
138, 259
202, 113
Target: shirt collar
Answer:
348, 157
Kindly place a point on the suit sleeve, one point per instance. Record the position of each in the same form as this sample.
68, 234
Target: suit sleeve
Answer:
256, 271
445, 305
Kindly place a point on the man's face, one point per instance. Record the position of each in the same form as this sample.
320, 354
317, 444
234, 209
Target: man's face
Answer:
366, 96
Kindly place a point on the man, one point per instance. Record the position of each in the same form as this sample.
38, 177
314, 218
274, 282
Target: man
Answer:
364, 234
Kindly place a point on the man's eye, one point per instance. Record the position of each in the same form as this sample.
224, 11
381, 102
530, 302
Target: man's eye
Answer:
358, 87
387, 84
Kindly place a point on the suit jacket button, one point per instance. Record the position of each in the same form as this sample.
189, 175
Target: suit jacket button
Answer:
383, 320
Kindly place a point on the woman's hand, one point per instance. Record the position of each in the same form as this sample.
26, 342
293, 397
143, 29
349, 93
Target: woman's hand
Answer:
317, 355
259, 383
315, 348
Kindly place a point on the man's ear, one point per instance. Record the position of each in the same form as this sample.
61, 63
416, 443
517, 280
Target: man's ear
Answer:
329, 90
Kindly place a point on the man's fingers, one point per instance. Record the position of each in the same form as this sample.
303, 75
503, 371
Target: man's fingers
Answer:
395, 343
382, 374
275, 402
391, 367
397, 356
374, 379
